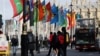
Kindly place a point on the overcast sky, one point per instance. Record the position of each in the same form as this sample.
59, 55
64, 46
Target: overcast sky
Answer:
7, 12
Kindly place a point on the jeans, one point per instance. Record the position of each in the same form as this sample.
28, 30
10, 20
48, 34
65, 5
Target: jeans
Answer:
14, 50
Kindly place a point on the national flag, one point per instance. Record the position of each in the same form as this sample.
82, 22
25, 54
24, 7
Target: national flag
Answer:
31, 4
35, 13
41, 12
62, 21
43, 3
54, 19
48, 7
72, 20
17, 7
31, 12
54, 9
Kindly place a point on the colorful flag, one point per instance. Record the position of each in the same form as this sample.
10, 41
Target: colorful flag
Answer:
35, 13
41, 12
31, 12
72, 19
54, 9
43, 3
62, 21
54, 19
17, 7
48, 7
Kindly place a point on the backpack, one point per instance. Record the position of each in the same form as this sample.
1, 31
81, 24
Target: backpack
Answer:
67, 38
61, 39
31, 38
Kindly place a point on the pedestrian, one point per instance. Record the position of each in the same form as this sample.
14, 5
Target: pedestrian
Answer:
66, 39
7, 37
14, 43
31, 42
61, 43
55, 44
51, 44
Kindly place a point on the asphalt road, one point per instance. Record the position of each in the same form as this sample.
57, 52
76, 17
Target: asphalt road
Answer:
70, 52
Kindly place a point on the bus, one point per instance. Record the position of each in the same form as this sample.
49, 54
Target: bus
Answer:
86, 34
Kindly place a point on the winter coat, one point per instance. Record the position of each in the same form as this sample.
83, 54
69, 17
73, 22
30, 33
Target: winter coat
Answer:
14, 41
31, 40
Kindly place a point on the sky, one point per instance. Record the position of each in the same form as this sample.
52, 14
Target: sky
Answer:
7, 12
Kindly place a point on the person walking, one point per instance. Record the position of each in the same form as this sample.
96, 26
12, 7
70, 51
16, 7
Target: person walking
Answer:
31, 42
14, 42
61, 43
7, 37
55, 44
66, 39
51, 45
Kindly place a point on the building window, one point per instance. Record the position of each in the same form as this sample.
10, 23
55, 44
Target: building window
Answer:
86, 14
94, 14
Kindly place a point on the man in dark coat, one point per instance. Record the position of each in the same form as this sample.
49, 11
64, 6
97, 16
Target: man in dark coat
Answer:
14, 41
31, 42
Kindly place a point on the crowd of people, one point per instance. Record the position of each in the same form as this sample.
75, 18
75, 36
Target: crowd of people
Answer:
59, 42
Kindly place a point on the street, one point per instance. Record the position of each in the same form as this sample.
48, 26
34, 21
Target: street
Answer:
70, 52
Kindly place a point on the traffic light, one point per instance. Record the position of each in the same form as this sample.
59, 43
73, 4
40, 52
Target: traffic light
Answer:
1, 23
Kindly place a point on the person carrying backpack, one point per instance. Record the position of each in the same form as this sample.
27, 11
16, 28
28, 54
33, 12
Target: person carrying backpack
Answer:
66, 39
61, 43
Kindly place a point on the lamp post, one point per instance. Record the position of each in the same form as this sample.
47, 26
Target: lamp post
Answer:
88, 13
96, 13
71, 21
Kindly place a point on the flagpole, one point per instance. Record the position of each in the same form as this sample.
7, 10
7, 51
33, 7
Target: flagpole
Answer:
71, 21
37, 43
55, 26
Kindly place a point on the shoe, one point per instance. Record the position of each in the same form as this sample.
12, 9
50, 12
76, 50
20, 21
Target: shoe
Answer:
47, 55
14, 54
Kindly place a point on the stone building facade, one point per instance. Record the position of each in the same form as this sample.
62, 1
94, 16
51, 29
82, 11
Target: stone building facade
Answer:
87, 8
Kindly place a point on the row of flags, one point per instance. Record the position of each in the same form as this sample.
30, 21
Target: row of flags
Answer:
39, 11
